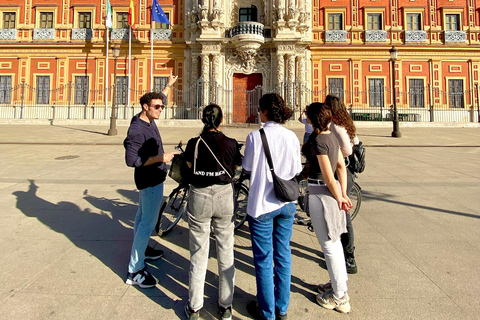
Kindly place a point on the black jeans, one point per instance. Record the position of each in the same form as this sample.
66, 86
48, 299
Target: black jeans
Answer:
348, 238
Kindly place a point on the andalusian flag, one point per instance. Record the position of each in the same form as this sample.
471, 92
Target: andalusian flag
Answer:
131, 15
108, 18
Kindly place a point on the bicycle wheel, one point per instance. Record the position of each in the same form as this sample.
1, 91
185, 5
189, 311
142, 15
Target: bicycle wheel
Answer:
172, 210
241, 200
356, 197
302, 186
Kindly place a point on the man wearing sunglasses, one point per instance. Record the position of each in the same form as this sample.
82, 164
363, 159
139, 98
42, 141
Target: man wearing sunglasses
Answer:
144, 151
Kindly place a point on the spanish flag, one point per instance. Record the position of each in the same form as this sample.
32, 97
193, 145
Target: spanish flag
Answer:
131, 15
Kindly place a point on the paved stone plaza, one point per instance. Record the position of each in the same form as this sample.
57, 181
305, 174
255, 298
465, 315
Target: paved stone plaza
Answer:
68, 202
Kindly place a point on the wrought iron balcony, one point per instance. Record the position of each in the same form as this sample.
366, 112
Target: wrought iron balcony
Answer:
455, 36
44, 34
248, 34
8, 34
336, 36
82, 34
119, 34
162, 34
375, 35
415, 36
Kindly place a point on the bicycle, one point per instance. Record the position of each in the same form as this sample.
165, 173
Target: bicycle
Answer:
175, 205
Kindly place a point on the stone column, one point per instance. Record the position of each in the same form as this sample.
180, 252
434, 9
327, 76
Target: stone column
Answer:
301, 82
216, 78
291, 81
280, 72
205, 75
193, 74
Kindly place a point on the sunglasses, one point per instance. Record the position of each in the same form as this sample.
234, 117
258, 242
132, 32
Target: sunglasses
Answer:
158, 106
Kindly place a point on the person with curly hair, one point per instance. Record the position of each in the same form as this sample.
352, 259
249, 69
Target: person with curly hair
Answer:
271, 220
327, 201
344, 130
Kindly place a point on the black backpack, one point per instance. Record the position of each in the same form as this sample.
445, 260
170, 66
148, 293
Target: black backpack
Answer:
357, 158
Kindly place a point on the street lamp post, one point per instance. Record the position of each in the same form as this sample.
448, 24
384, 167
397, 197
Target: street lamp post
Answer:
113, 118
396, 124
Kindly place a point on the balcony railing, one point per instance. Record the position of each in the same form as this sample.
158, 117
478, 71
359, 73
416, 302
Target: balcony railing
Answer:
8, 34
248, 28
336, 36
415, 36
162, 34
455, 36
82, 34
375, 35
44, 34
119, 34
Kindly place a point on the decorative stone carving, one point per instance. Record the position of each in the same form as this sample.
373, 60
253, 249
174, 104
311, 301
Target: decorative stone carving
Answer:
43, 34
248, 61
8, 34
248, 57
291, 13
205, 67
162, 34
280, 69
286, 47
217, 12
335, 35
415, 36
82, 34
375, 35
455, 36
119, 34
203, 12
302, 16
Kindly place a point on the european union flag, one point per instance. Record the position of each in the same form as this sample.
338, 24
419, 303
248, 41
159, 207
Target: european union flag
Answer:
157, 13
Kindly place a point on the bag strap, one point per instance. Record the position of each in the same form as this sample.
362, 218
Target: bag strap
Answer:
267, 150
196, 156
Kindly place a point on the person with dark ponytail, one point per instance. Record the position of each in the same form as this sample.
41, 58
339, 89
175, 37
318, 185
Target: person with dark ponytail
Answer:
211, 159
271, 220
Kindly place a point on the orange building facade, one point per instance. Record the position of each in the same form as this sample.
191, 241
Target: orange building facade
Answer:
437, 65
54, 53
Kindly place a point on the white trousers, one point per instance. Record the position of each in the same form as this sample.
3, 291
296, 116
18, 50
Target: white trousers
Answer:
333, 251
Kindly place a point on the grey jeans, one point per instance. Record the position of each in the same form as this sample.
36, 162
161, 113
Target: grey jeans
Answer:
211, 207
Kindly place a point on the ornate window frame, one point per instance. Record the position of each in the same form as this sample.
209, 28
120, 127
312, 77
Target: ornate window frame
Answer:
452, 10
464, 95
369, 10
332, 10
425, 92
367, 88
410, 10
77, 9
39, 9
10, 8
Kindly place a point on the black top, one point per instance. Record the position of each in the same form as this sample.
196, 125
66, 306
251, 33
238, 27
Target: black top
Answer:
208, 171
143, 141
320, 144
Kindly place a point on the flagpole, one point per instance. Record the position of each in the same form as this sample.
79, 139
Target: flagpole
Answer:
151, 57
107, 91
129, 62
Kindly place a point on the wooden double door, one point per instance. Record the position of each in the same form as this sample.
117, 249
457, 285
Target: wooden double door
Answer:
247, 91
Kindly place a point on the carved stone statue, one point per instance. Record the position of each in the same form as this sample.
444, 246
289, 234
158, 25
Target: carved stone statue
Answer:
302, 17
204, 11
217, 12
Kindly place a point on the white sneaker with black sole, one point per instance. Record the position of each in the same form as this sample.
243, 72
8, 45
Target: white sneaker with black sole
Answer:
142, 278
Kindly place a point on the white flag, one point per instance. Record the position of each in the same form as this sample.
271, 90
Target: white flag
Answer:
108, 18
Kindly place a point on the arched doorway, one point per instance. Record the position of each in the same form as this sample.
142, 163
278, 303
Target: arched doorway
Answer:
247, 90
